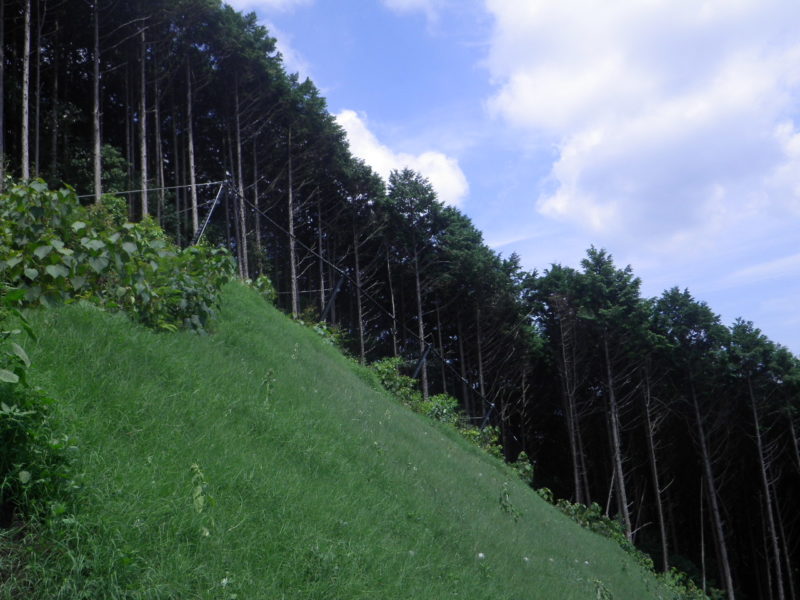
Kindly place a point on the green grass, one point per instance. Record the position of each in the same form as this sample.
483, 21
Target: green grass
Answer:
313, 484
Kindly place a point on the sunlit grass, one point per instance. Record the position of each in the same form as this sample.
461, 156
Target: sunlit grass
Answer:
258, 463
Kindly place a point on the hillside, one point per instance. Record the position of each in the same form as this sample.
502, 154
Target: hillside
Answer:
257, 462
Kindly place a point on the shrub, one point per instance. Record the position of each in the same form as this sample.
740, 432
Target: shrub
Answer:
57, 250
33, 463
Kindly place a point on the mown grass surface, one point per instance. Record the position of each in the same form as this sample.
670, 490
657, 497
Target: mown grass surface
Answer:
312, 484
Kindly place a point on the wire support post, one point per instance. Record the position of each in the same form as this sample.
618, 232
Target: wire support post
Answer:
201, 230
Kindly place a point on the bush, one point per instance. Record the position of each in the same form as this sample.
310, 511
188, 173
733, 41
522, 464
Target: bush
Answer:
33, 463
57, 250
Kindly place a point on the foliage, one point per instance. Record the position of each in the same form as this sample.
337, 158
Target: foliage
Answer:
592, 517
304, 506
56, 251
263, 284
34, 466
402, 387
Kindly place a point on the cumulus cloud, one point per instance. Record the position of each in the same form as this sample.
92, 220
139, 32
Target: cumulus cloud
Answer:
442, 171
672, 119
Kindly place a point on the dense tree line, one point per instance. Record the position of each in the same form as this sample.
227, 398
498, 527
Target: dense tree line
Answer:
682, 427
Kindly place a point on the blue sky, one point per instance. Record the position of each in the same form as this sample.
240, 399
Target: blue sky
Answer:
666, 131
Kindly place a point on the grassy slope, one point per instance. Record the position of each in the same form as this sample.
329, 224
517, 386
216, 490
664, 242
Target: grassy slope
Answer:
322, 487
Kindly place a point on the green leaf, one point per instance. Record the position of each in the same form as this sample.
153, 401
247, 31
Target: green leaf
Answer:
94, 244
8, 377
98, 264
43, 251
24, 477
31, 273
57, 244
13, 261
56, 271
14, 295
78, 282
23, 356
129, 247
78, 225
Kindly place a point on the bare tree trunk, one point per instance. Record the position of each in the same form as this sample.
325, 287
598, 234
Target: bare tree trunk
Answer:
26, 84
702, 538
292, 250
98, 157
566, 367
40, 18
2, 94
421, 329
441, 349
245, 268
770, 520
190, 143
716, 514
159, 149
394, 307
650, 428
359, 309
616, 442
786, 553
143, 120
463, 361
257, 211
53, 107
479, 343
321, 260
795, 445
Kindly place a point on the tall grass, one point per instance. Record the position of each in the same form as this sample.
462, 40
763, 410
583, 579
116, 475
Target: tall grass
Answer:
259, 463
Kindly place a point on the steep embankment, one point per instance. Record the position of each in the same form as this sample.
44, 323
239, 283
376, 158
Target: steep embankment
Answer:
259, 463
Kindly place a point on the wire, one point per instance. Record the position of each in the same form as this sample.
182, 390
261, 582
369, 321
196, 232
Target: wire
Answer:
369, 297
171, 187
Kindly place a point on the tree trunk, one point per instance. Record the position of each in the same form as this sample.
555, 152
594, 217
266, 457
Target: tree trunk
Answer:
394, 306
770, 520
98, 158
257, 212
566, 367
421, 328
26, 85
795, 445
441, 349
2, 94
716, 514
143, 120
463, 360
292, 250
359, 309
650, 428
40, 18
53, 106
321, 260
190, 144
786, 553
159, 149
245, 268
616, 441
479, 344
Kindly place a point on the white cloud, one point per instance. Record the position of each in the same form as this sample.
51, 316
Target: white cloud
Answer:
672, 119
442, 171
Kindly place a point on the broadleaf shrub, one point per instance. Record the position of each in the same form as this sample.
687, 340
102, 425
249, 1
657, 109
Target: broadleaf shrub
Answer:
34, 466
57, 250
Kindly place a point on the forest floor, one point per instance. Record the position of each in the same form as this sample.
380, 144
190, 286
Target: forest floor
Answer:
258, 462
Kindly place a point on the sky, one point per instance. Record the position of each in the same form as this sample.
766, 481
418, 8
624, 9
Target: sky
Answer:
665, 131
